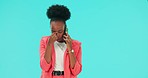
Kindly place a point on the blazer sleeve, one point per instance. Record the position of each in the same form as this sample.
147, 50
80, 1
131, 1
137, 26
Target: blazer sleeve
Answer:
78, 65
43, 63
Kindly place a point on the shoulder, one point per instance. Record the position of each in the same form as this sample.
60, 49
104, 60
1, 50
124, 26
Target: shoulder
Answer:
76, 42
76, 46
45, 37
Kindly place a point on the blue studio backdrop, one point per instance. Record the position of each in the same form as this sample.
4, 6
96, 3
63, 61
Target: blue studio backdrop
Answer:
114, 36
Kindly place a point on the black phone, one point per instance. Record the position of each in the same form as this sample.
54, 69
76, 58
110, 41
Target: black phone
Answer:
65, 30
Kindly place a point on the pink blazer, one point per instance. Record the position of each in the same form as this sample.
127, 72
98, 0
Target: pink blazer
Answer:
68, 72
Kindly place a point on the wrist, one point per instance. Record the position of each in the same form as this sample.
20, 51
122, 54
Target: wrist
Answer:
49, 43
71, 51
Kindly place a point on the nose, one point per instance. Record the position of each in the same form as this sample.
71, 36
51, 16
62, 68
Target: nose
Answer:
57, 34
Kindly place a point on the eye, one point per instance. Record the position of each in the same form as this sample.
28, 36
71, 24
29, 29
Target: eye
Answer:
52, 31
60, 31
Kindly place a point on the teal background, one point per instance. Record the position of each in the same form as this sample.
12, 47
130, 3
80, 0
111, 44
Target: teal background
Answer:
114, 36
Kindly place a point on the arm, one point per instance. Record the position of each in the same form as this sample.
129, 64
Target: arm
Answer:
72, 59
75, 59
46, 53
77, 68
45, 56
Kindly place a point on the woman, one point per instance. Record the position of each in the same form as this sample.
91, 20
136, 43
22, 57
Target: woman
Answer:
60, 55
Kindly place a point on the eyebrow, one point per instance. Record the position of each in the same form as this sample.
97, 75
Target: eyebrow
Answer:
58, 30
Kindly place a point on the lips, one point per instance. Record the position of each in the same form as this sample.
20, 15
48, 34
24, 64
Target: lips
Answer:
61, 39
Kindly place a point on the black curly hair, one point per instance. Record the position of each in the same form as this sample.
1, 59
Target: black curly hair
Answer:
58, 12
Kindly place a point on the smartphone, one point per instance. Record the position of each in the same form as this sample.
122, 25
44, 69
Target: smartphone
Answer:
65, 31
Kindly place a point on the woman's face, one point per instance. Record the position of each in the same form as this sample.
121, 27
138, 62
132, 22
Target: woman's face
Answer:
58, 28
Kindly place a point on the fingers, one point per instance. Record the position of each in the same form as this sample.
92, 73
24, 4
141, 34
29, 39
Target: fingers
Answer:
67, 35
67, 38
54, 36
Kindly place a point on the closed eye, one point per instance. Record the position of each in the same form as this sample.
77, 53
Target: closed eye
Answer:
53, 31
60, 31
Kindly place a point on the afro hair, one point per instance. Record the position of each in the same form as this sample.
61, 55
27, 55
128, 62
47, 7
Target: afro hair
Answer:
58, 12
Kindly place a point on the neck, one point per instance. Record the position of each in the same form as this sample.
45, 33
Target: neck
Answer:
61, 41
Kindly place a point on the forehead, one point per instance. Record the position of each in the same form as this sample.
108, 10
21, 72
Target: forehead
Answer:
57, 25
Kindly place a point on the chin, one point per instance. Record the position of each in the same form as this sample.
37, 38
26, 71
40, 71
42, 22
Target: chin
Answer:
60, 40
